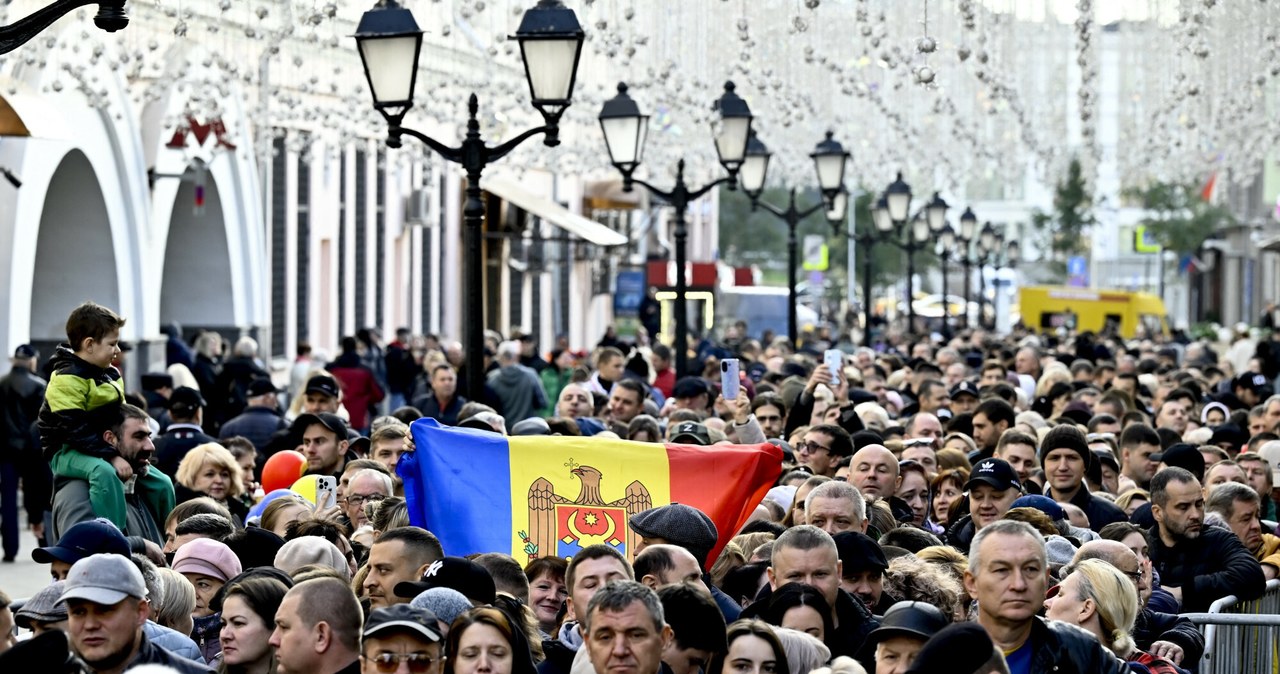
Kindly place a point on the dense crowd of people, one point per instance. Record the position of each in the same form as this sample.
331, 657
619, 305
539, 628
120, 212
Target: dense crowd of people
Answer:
974, 504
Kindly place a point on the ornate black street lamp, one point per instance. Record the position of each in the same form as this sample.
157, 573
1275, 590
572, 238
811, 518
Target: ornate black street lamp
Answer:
111, 17
625, 131
968, 228
829, 159
550, 40
930, 219
946, 246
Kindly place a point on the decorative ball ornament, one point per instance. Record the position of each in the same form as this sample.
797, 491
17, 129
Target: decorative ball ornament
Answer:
926, 45
925, 75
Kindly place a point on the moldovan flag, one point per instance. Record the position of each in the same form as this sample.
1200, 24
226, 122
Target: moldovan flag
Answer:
535, 496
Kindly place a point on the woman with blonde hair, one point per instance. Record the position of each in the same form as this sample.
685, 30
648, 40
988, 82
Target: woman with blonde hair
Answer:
1101, 599
805, 652
176, 603
212, 470
182, 376
1133, 499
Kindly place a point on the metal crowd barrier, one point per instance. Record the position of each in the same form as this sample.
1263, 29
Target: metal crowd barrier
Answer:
1241, 637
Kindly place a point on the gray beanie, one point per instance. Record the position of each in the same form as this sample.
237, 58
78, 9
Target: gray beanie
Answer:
305, 550
447, 603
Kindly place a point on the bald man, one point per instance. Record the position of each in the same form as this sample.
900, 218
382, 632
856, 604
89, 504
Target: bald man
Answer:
874, 471
575, 401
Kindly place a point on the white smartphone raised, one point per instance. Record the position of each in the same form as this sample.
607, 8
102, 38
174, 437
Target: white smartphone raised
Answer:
729, 378
834, 360
326, 491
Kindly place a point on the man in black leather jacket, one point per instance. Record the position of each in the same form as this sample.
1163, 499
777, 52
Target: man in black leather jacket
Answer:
1006, 574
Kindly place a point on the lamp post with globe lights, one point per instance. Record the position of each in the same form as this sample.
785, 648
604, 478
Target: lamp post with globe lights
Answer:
625, 130
913, 233
829, 158
389, 42
964, 239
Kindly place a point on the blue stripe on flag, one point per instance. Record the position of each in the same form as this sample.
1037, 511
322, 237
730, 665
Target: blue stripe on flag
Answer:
457, 485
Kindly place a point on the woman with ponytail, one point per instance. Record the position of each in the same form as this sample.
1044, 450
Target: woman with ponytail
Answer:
1099, 598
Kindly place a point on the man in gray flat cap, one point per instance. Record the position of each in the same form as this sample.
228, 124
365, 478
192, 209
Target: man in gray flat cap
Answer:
691, 529
107, 607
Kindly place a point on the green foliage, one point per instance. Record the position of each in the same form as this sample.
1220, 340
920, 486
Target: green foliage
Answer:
1180, 219
1072, 213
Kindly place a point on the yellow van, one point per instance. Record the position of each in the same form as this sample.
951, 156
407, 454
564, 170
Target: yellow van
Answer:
1128, 314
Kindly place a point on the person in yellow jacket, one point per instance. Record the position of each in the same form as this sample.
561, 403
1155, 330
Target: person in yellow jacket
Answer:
1237, 504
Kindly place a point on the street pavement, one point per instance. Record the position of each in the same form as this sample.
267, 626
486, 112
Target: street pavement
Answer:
23, 577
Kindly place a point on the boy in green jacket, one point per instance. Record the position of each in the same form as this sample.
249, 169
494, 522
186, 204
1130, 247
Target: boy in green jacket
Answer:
84, 393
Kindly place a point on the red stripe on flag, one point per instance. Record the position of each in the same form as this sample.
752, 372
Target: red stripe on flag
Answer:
726, 482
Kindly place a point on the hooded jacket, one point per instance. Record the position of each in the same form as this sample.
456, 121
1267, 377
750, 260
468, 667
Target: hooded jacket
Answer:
520, 392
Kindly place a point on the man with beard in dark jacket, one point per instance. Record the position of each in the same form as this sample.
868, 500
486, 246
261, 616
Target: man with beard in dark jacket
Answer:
1006, 574
1197, 564
21, 394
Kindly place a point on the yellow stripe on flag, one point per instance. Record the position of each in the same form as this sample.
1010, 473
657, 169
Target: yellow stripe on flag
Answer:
568, 493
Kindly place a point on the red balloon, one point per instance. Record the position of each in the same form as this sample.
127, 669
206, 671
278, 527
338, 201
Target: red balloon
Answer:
282, 470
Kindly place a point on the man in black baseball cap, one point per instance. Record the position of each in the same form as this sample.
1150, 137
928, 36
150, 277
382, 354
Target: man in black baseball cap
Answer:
261, 419
862, 567
962, 648
692, 393
456, 573
1251, 388
185, 430
321, 395
993, 486
401, 634
324, 443
964, 397
23, 393
86, 538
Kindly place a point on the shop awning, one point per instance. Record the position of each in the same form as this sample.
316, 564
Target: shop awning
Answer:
549, 211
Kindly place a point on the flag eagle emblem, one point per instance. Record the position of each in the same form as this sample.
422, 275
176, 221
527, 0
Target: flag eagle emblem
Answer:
561, 527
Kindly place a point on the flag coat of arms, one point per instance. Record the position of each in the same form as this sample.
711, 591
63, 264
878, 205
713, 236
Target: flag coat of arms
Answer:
540, 496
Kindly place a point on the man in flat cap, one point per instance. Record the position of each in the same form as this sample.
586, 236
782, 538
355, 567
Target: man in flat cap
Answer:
691, 529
